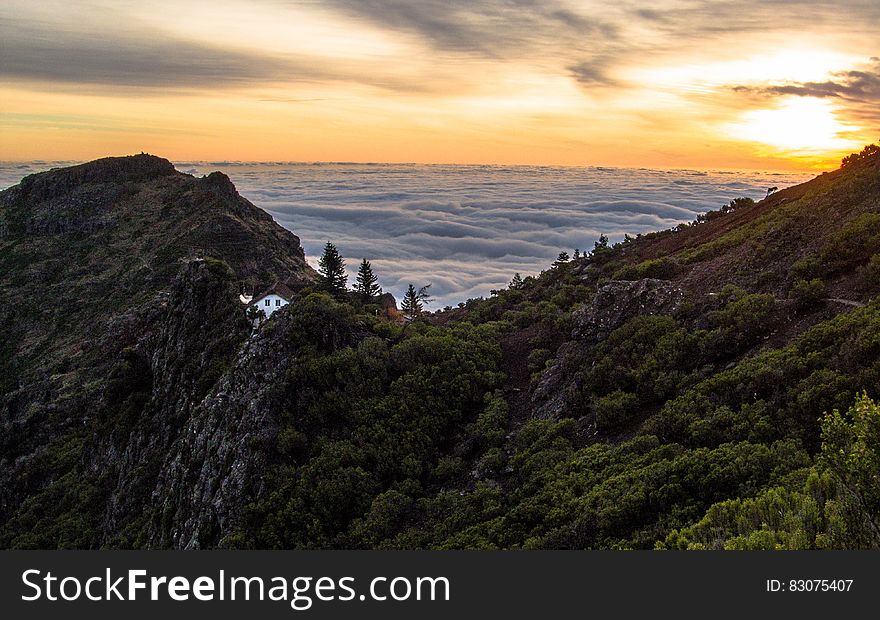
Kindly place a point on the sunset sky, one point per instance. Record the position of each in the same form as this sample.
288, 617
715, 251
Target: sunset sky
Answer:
687, 83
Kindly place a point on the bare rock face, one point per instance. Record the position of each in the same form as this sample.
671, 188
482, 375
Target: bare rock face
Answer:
215, 467
614, 304
618, 301
187, 338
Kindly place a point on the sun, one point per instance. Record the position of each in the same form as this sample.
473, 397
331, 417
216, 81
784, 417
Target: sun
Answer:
797, 126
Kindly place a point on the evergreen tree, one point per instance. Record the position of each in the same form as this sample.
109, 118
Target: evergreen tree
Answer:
562, 259
577, 253
413, 301
332, 270
600, 247
367, 285
517, 282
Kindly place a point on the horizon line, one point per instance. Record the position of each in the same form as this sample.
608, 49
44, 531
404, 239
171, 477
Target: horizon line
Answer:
241, 162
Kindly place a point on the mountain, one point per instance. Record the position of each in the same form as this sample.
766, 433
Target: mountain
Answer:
675, 390
120, 279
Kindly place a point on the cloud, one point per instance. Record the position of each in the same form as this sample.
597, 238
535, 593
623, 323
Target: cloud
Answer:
468, 229
92, 54
41, 51
491, 28
857, 89
591, 73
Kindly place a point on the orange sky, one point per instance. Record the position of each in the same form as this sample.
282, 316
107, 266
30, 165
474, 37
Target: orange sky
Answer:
687, 83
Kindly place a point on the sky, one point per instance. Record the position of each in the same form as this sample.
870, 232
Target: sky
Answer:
733, 84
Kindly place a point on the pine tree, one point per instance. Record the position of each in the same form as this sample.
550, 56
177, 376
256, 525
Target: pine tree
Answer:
367, 285
412, 304
332, 270
517, 282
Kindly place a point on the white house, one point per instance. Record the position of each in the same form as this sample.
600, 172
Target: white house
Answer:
271, 299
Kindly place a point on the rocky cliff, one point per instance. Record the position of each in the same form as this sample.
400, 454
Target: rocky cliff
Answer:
120, 282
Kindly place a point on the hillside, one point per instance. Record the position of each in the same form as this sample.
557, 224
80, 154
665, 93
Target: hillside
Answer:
95, 263
669, 391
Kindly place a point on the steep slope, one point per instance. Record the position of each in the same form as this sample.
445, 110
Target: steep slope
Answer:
83, 243
825, 228
762, 272
120, 280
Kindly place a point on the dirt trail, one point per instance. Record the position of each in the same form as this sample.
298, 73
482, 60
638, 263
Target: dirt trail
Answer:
515, 364
846, 302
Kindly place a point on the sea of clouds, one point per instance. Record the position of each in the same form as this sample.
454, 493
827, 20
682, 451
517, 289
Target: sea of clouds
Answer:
467, 229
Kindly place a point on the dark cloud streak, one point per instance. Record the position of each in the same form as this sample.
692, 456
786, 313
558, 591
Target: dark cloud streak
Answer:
858, 90
42, 52
490, 28
36, 51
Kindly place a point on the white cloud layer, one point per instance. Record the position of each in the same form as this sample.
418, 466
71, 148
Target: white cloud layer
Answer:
467, 229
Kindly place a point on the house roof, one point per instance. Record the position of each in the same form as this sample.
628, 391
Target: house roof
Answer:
279, 288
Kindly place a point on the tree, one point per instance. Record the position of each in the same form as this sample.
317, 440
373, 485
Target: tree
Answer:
332, 269
563, 258
871, 150
367, 284
517, 282
738, 203
577, 253
851, 453
602, 242
413, 301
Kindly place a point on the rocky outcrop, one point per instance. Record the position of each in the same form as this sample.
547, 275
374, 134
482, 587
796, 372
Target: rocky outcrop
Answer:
216, 466
187, 341
615, 303
618, 301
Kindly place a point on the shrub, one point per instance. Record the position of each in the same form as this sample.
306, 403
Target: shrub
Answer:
660, 268
615, 409
870, 150
538, 359
742, 321
807, 268
808, 292
853, 241
872, 271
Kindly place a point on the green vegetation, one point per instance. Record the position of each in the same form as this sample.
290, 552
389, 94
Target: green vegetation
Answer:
367, 285
834, 504
661, 268
406, 443
332, 270
583, 407
414, 301
857, 238
371, 424
870, 150
808, 292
